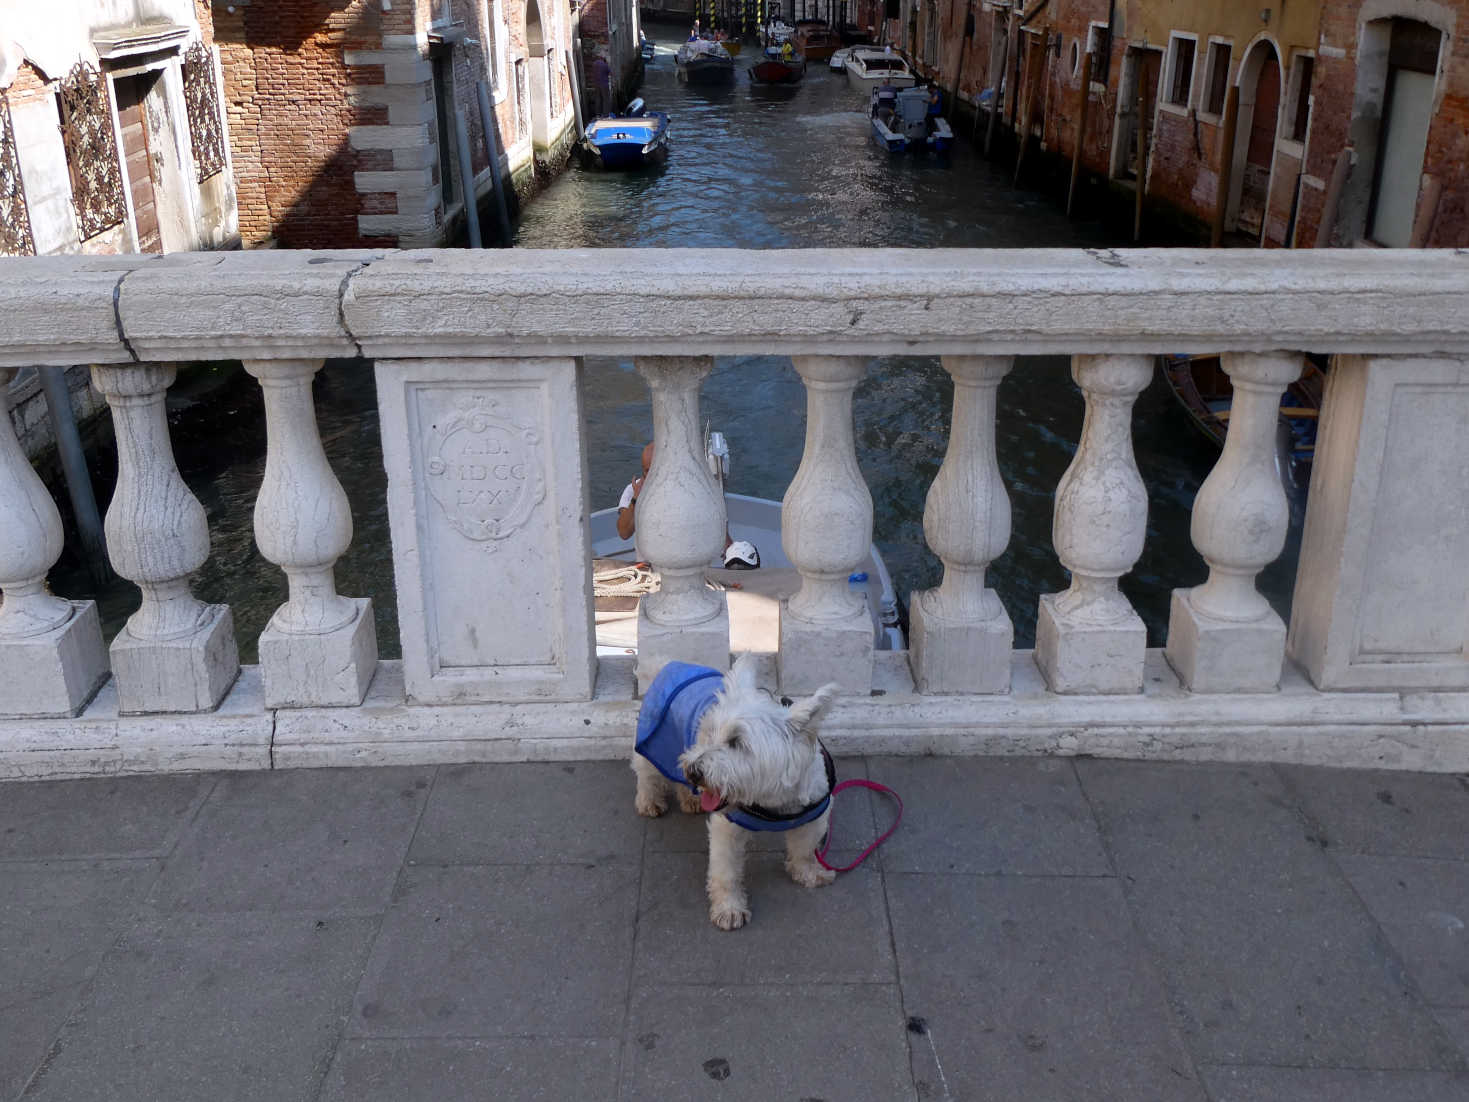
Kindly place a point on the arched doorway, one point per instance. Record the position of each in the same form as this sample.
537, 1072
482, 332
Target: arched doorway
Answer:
540, 76
1254, 143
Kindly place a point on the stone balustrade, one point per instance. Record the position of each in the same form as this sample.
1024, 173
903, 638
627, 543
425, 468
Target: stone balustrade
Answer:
477, 363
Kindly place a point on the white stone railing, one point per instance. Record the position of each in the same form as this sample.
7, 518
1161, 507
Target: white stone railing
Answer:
477, 364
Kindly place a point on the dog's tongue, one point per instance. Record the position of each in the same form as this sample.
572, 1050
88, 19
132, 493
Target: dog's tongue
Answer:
709, 799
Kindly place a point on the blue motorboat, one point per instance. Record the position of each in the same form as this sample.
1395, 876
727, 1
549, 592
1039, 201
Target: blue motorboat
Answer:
638, 137
906, 120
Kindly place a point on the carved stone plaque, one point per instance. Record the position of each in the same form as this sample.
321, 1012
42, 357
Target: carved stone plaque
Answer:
487, 504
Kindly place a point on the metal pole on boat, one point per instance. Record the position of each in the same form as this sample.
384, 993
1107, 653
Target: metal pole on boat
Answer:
492, 149
466, 179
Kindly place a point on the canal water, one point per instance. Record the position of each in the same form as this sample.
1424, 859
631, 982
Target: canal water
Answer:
792, 168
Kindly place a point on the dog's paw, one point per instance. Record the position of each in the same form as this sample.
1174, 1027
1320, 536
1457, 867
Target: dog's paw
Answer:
809, 874
650, 807
729, 914
688, 802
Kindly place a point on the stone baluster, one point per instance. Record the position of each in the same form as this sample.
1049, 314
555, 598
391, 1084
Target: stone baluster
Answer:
319, 649
175, 654
960, 636
50, 649
1223, 636
1088, 639
680, 526
826, 631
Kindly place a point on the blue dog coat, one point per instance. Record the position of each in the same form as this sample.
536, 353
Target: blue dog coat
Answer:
668, 724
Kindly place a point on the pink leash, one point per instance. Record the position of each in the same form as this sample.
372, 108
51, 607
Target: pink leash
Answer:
858, 782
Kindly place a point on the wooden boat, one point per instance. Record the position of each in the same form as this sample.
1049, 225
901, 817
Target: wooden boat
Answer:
732, 46
701, 61
816, 39
631, 140
774, 68
868, 67
1203, 388
754, 595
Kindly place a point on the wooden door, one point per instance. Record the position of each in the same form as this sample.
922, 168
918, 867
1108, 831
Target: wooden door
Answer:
136, 163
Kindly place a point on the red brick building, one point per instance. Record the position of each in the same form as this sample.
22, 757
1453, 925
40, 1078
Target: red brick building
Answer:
342, 112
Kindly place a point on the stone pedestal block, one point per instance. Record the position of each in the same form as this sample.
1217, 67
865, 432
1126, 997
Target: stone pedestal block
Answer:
330, 670
1223, 656
949, 656
56, 673
1080, 657
815, 654
705, 644
189, 674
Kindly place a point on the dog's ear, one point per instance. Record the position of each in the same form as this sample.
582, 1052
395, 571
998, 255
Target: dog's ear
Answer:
742, 676
805, 715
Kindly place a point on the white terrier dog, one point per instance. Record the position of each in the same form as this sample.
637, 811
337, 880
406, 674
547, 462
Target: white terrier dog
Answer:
756, 765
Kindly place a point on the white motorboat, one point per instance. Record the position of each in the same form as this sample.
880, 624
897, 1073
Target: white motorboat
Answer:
754, 595
867, 67
838, 61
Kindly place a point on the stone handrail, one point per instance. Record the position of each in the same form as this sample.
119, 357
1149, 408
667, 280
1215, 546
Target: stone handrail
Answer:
477, 367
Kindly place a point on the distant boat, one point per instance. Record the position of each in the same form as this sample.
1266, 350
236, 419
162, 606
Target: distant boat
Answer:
703, 62
903, 121
867, 67
774, 68
816, 39
645, 47
838, 60
1203, 388
630, 140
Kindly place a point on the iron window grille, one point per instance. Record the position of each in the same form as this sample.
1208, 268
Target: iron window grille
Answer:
15, 219
201, 100
91, 151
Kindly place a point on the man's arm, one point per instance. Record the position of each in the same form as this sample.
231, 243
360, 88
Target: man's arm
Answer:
626, 521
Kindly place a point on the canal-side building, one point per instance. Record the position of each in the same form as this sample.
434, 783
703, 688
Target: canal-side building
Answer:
111, 135
609, 29
342, 114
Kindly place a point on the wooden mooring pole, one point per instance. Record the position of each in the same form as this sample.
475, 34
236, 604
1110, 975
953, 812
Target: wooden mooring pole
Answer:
1226, 166
1086, 95
1142, 149
999, 81
492, 150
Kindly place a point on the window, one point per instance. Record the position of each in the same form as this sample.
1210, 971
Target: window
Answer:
1099, 45
15, 218
1299, 104
1179, 86
442, 12
1216, 78
91, 151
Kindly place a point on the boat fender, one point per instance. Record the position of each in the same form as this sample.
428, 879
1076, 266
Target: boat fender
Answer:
635, 107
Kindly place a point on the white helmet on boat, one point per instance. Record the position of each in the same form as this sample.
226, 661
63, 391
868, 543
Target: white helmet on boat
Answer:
741, 555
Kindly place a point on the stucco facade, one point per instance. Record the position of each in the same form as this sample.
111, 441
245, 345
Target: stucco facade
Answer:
111, 129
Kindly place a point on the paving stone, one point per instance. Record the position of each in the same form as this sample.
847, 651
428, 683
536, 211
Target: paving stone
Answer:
57, 919
1033, 988
216, 1007
1269, 957
317, 841
1423, 907
795, 1042
853, 813
835, 934
991, 815
1455, 1022
536, 813
106, 817
1254, 1084
495, 951
510, 1070
1386, 812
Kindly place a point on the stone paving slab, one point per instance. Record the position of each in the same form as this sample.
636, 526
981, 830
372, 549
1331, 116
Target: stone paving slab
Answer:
581, 812
1255, 1084
296, 840
1268, 954
789, 1042
1455, 1023
217, 1007
1051, 999
1386, 813
501, 951
507, 1070
57, 920
1423, 908
103, 817
833, 934
991, 815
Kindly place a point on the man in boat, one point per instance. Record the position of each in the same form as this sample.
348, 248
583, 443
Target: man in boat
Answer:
693, 37
738, 554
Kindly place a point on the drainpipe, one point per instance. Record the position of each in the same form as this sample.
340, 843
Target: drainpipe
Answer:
74, 466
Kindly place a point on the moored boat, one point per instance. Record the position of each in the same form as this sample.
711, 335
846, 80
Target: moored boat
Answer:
631, 140
905, 121
775, 66
700, 61
816, 39
838, 60
645, 47
868, 67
